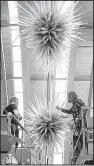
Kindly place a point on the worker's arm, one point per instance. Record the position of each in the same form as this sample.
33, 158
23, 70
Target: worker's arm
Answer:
65, 110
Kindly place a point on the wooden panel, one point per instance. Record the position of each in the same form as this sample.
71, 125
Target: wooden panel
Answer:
8, 61
4, 11
7, 50
26, 156
1, 70
82, 89
90, 148
37, 88
40, 89
87, 35
87, 7
82, 78
90, 123
10, 85
4, 123
91, 111
33, 72
8, 58
9, 69
92, 98
84, 61
2, 98
6, 35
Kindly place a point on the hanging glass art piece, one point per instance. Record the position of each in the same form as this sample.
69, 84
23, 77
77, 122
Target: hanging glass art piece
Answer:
46, 126
49, 29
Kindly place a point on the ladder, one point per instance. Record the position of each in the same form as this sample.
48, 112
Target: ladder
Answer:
86, 154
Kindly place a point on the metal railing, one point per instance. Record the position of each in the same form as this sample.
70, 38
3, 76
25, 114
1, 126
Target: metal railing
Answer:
83, 126
83, 133
16, 139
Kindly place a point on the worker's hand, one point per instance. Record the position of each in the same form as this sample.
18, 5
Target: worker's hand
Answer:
17, 114
10, 115
58, 108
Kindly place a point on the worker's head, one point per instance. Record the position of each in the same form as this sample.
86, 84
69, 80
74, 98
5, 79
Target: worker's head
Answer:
72, 96
14, 100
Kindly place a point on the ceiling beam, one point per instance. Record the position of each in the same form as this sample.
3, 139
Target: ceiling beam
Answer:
11, 78
7, 25
77, 78
42, 79
86, 26
8, 77
85, 46
82, 78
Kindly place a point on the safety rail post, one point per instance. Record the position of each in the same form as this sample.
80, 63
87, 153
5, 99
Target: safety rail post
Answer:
83, 131
9, 117
22, 149
83, 128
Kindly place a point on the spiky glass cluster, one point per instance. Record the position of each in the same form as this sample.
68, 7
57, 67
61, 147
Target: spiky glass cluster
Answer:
50, 29
46, 127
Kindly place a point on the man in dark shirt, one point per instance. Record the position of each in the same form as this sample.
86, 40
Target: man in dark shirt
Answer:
77, 117
12, 107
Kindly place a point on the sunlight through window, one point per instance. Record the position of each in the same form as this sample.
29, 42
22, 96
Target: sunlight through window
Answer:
18, 85
16, 53
17, 69
15, 38
13, 13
